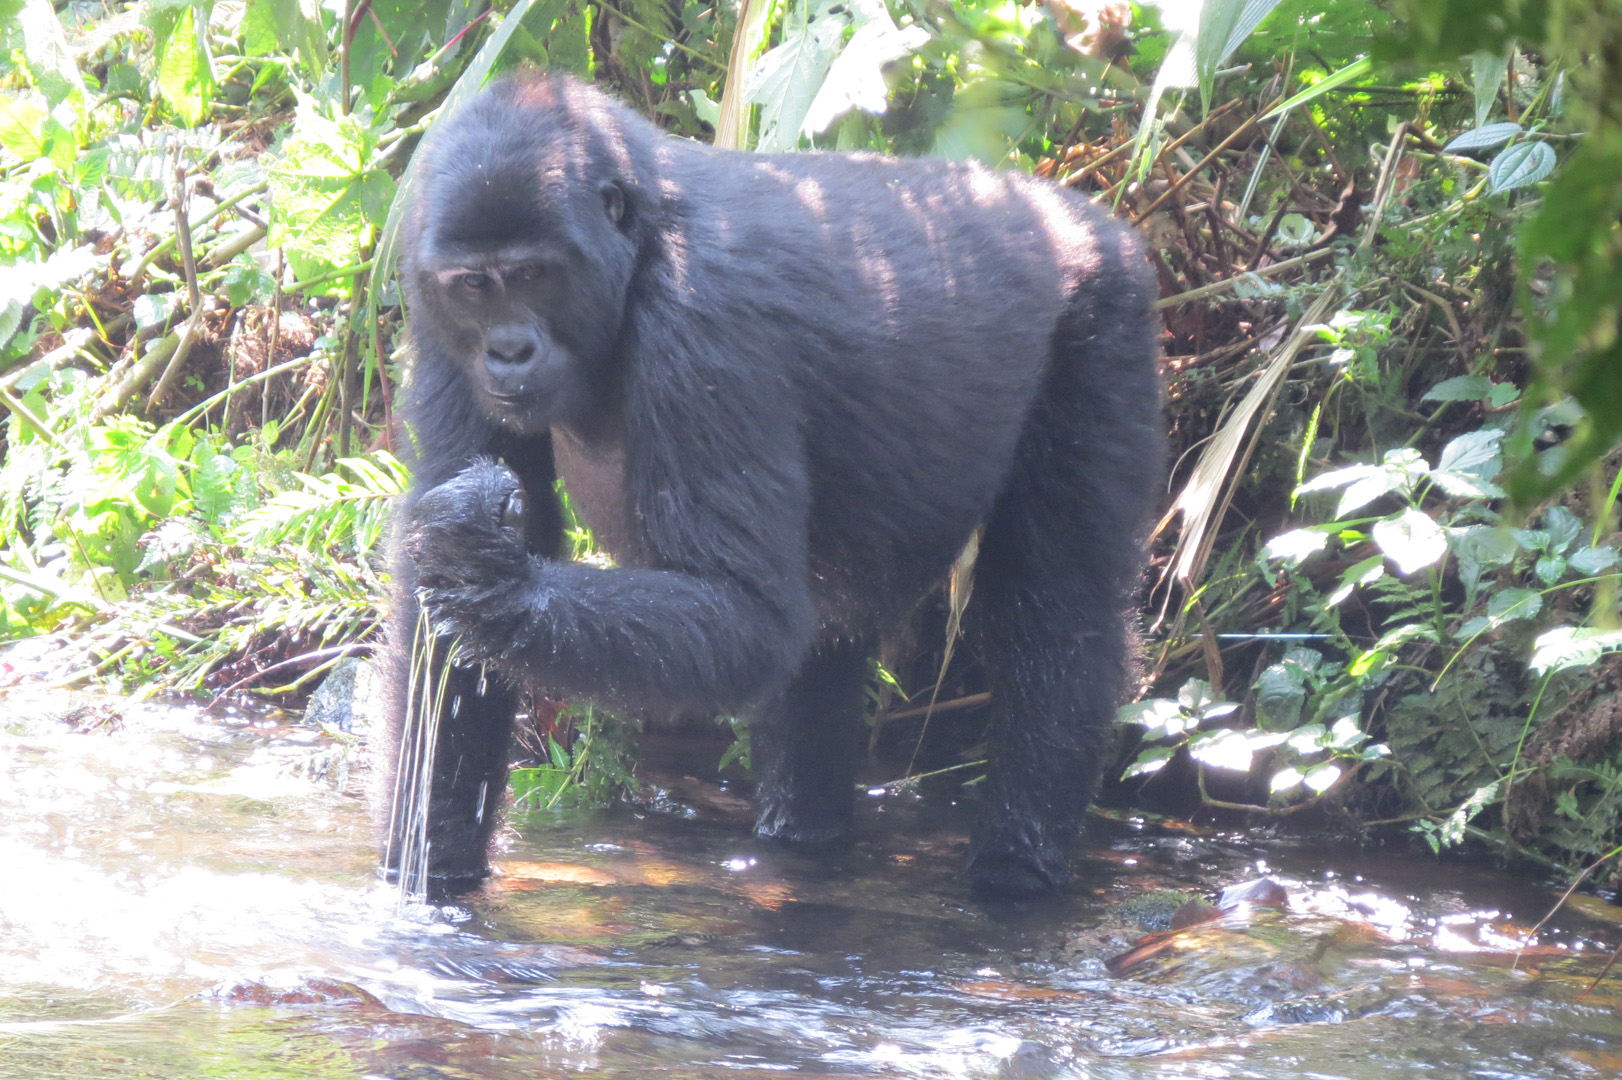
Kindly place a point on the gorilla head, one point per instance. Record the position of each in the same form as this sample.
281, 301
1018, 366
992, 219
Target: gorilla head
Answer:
523, 245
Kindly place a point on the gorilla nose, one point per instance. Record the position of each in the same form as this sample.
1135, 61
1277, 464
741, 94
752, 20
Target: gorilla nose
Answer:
510, 346
511, 356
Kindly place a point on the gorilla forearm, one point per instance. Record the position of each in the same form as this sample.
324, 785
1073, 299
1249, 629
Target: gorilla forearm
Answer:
624, 635
627, 636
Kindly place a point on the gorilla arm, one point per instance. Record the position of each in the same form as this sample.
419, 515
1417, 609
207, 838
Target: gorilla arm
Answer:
718, 500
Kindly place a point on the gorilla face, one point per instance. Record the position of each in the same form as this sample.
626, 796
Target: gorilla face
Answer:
514, 286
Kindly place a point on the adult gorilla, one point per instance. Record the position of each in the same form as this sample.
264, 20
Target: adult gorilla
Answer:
784, 391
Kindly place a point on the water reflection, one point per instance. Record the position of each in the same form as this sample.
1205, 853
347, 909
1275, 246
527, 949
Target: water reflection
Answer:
181, 898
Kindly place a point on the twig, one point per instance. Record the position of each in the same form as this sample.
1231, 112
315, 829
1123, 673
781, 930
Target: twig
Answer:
232, 246
1266, 237
1228, 283
194, 321
163, 246
26, 415
258, 376
967, 702
1447, 313
302, 658
275, 332
1239, 131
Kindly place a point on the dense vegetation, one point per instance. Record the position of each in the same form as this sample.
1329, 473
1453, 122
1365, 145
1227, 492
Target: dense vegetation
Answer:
1386, 233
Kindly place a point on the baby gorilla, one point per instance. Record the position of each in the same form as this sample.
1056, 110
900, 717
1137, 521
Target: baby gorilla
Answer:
783, 391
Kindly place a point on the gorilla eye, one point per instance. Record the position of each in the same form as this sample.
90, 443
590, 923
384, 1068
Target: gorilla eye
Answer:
474, 281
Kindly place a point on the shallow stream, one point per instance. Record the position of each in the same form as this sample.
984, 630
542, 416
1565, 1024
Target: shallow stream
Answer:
181, 897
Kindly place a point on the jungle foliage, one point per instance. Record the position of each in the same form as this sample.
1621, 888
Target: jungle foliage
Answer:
1386, 233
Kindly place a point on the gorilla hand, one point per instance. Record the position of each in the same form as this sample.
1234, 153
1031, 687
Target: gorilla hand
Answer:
466, 537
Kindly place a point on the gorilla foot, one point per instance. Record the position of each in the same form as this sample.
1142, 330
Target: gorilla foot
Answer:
1010, 876
786, 825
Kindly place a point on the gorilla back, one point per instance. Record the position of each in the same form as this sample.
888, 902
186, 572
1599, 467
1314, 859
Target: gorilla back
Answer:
787, 390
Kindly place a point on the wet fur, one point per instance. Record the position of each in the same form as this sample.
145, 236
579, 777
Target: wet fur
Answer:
820, 374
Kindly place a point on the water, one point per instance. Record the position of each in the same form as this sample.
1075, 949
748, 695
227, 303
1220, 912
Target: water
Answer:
182, 898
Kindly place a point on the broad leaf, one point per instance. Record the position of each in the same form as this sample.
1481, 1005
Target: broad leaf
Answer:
787, 79
1489, 137
1294, 546
1411, 540
856, 78
1460, 388
1522, 164
1567, 647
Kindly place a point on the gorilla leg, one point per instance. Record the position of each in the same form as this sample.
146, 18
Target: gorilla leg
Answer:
1053, 580
468, 775
804, 748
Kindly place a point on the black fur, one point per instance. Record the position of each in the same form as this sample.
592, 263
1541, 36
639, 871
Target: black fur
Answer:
805, 381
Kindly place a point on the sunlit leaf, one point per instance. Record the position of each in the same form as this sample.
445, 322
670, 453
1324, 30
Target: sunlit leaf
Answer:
1285, 779
1567, 647
856, 78
184, 75
1151, 760
50, 58
1321, 778
1224, 25
1411, 539
787, 79
1294, 546
1161, 716
1369, 570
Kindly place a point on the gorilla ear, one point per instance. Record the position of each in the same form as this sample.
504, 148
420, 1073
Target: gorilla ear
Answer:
614, 201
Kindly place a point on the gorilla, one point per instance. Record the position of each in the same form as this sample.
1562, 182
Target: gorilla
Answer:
784, 391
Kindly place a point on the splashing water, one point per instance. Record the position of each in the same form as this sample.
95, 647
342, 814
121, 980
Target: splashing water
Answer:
414, 769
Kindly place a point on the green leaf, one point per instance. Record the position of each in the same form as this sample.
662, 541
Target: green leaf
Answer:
855, 81
211, 487
1589, 561
1563, 527
22, 127
1411, 540
1369, 570
1567, 647
277, 26
1355, 70
1374, 659
154, 309
1224, 26
1511, 604
786, 80
1522, 164
1487, 71
1295, 546
1460, 388
1489, 137
50, 60
1549, 569
184, 75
